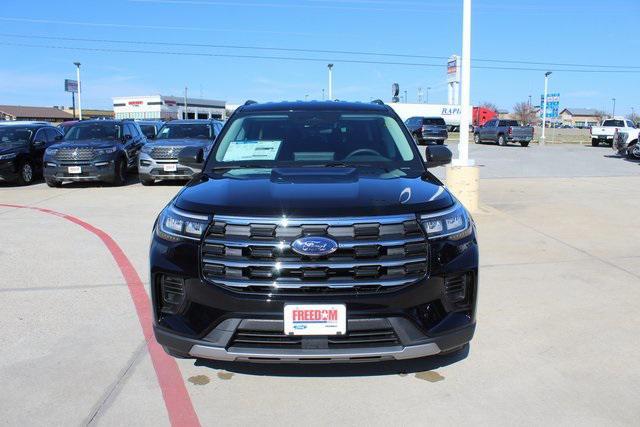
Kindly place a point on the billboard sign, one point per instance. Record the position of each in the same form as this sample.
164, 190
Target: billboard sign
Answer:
553, 105
71, 86
453, 69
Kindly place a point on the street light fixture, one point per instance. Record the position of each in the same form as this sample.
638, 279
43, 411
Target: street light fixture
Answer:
330, 67
544, 105
77, 64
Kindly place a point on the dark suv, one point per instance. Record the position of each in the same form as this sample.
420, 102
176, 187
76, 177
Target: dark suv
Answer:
314, 233
94, 150
22, 146
428, 130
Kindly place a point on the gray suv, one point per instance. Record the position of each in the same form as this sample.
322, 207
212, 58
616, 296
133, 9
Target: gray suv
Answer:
158, 159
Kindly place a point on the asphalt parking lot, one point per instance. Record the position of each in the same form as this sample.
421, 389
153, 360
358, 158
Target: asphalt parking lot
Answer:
557, 338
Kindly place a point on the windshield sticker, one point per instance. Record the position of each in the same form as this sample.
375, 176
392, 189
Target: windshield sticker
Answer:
251, 150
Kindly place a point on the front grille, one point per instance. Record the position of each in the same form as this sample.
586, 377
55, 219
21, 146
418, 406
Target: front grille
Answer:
367, 333
375, 254
73, 154
165, 152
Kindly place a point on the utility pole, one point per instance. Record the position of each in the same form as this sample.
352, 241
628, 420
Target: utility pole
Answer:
406, 101
323, 94
428, 88
330, 67
529, 101
465, 112
419, 95
614, 107
186, 115
544, 106
77, 64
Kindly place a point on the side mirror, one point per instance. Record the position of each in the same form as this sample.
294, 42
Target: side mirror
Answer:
152, 136
192, 157
437, 155
59, 137
38, 143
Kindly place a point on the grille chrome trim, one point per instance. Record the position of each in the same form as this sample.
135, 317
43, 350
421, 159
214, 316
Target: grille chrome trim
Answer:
165, 152
393, 219
314, 264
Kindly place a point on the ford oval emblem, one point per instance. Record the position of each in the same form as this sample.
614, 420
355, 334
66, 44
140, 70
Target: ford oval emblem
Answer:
314, 246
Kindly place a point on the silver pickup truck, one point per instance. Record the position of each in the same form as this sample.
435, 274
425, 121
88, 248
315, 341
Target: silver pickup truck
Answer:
502, 131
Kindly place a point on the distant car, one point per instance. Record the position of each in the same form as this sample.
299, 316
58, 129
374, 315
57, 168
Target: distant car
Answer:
65, 126
606, 132
150, 128
502, 131
94, 150
22, 145
427, 130
159, 157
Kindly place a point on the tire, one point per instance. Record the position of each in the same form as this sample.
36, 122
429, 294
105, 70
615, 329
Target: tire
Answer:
501, 141
53, 183
476, 138
147, 182
120, 173
524, 143
594, 142
440, 142
633, 152
25, 173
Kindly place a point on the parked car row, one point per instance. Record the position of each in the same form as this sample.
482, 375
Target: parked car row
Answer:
100, 150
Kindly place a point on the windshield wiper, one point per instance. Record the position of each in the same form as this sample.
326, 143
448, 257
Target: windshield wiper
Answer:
335, 164
244, 166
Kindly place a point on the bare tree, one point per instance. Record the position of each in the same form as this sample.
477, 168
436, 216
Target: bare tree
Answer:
635, 118
524, 113
489, 106
601, 115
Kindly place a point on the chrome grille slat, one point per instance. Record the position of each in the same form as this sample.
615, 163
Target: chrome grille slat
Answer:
72, 154
165, 152
375, 254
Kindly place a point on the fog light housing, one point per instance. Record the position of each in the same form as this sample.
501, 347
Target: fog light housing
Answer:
145, 163
172, 294
458, 291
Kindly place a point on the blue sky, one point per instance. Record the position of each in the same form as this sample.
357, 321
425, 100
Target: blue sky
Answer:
570, 31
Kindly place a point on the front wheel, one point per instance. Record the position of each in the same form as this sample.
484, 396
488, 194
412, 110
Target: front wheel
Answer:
53, 183
633, 152
25, 173
476, 138
594, 142
524, 143
120, 173
146, 181
502, 141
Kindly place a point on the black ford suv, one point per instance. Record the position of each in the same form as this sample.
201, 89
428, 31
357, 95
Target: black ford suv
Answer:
314, 233
94, 150
22, 146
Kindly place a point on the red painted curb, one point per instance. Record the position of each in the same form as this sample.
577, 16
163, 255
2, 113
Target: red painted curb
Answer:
176, 398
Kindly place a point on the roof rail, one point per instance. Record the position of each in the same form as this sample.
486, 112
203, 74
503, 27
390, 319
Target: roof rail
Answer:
378, 101
250, 101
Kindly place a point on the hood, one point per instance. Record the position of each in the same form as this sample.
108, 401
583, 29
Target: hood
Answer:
183, 142
317, 193
86, 143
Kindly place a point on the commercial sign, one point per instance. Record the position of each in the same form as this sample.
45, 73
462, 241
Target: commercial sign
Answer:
136, 103
453, 69
71, 86
553, 105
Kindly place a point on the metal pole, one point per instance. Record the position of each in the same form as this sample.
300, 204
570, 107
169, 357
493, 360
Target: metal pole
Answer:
330, 66
419, 95
77, 64
614, 107
544, 105
463, 147
529, 101
186, 115
73, 104
323, 94
428, 94
406, 101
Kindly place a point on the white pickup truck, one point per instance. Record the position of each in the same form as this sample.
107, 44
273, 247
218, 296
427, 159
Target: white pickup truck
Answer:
609, 128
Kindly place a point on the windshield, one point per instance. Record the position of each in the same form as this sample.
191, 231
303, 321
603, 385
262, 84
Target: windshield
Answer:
11, 134
148, 130
434, 121
86, 131
317, 138
613, 123
185, 130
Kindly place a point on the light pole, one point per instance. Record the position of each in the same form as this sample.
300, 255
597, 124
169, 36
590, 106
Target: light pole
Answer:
406, 101
323, 94
186, 115
428, 88
419, 95
330, 67
465, 112
613, 114
544, 105
77, 64
529, 101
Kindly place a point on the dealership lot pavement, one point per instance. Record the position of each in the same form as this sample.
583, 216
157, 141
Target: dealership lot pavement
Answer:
557, 339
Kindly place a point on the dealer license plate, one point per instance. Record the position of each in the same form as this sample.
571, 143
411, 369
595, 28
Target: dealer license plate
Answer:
74, 169
315, 319
170, 167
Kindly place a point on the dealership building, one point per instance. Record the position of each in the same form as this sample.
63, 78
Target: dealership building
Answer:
167, 108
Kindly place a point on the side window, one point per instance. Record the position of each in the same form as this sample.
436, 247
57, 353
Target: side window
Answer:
52, 134
127, 130
630, 124
491, 123
40, 136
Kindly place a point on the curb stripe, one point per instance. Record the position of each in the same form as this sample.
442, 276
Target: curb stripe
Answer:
174, 392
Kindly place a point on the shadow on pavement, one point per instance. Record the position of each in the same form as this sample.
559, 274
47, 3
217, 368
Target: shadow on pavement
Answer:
359, 369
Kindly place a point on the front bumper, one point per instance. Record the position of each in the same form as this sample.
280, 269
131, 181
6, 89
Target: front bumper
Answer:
95, 170
214, 322
150, 168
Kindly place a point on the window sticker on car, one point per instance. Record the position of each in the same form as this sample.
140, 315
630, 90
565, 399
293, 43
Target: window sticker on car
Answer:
252, 150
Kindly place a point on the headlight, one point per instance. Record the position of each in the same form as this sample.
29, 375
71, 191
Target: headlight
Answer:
51, 151
175, 225
453, 223
8, 156
101, 151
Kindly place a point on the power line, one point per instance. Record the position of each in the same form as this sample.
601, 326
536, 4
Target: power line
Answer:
300, 50
302, 59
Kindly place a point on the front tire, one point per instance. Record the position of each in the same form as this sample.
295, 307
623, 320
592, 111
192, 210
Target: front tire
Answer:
633, 152
476, 139
594, 142
53, 183
502, 141
524, 143
146, 181
25, 173
120, 173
